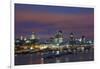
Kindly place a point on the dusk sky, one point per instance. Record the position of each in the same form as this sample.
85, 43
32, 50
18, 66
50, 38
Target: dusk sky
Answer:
45, 21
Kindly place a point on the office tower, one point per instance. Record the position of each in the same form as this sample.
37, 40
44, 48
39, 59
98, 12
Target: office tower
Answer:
58, 37
71, 39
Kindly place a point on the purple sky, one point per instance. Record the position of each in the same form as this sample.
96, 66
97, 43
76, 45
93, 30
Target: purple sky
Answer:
45, 21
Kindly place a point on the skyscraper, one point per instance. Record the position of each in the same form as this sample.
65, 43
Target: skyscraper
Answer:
83, 40
58, 37
21, 37
71, 39
71, 36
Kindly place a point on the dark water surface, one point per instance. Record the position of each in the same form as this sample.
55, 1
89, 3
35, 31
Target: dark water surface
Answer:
37, 58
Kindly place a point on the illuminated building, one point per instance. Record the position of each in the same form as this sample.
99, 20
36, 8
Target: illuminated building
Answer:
21, 38
33, 36
71, 36
83, 39
71, 39
25, 38
58, 37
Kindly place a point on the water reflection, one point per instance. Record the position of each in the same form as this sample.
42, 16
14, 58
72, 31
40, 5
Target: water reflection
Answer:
43, 58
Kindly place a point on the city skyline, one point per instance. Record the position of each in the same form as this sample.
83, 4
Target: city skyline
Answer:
45, 20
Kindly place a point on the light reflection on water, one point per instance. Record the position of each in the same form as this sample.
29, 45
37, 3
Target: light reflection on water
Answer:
37, 58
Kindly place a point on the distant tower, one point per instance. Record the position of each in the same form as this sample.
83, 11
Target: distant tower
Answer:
59, 37
33, 36
83, 39
71, 36
71, 40
25, 38
21, 37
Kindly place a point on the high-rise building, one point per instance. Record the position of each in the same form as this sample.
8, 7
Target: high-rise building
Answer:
83, 40
21, 37
71, 39
58, 37
71, 36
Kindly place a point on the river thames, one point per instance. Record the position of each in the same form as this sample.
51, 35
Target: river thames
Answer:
45, 58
